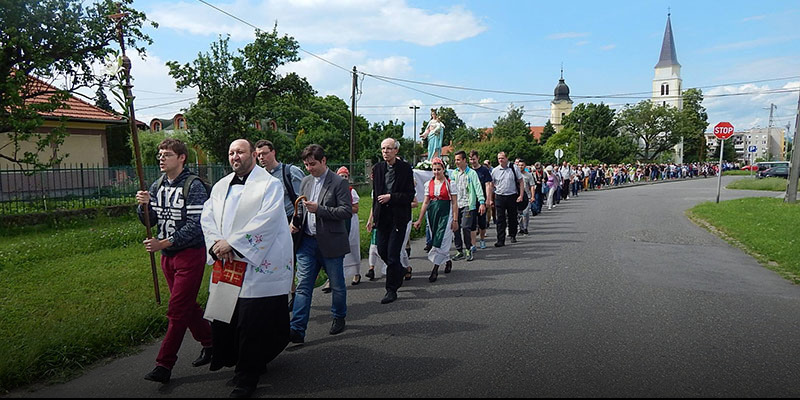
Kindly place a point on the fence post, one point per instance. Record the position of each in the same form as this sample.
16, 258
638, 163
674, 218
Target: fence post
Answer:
83, 195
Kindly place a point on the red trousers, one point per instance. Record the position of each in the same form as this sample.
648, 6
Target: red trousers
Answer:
184, 274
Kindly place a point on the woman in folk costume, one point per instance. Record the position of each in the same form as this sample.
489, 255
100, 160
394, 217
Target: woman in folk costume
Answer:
352, 260
442, 208
434, 132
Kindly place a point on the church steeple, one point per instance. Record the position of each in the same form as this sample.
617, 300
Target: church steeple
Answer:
668, 55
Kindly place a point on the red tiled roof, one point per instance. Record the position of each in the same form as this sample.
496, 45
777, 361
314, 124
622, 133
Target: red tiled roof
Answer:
75, 108
536, 131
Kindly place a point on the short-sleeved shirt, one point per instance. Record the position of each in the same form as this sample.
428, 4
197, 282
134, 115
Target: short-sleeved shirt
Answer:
296, 176
505, 180
484, 175
528, 181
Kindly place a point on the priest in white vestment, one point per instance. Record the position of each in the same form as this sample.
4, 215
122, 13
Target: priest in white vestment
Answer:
244, 220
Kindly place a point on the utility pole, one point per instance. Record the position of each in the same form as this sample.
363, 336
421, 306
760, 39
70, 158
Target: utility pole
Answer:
353, 119
126, 64
415, 108
794, 171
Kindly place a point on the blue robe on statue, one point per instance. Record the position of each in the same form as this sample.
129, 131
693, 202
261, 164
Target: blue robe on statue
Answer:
435, 131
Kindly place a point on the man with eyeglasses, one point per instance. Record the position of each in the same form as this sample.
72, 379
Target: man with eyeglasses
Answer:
176, 214
393, 191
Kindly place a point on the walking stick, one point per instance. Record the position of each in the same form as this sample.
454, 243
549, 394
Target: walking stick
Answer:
126, 64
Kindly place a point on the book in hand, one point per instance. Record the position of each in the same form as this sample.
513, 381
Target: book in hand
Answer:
226, 283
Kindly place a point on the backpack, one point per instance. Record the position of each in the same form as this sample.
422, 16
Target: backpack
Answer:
287, 182
187, 183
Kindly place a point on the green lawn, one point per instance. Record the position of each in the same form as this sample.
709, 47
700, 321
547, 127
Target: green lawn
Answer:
771, 184
737, 172
764, 227
80, 291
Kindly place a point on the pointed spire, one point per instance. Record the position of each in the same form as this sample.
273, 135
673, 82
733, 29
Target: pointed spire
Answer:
562, 70
668, 55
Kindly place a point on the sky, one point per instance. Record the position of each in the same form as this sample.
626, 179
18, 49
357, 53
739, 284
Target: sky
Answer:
738, 52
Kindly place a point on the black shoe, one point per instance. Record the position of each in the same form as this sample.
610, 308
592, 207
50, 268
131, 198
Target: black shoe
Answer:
356, 280
216, 367
434, 274
513, 239
448, 267
428, 247
408, 252
370, 274
242, 392
326, 288
296, 337
337, 326
408, 274
159, 374
390, 297
205, 357
498, 244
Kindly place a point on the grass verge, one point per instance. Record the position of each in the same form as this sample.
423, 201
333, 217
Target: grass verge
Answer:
81, 291
765, 228
737, 172
770, 184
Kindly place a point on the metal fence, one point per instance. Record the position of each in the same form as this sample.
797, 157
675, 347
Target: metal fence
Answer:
81, 186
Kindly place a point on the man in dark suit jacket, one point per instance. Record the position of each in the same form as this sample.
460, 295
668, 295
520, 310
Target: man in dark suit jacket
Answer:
392, 193
327, 209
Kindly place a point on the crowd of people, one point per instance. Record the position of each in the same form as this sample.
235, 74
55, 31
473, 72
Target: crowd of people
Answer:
268, 229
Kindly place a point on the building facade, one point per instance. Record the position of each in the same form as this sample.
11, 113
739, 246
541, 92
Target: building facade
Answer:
770, 144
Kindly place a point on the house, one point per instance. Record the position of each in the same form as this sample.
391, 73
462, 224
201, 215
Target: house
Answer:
536, 132
86, 124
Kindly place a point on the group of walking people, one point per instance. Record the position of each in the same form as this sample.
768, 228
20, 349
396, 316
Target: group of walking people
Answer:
268, 231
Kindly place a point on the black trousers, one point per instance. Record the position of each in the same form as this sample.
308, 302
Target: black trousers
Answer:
258, 332
390, 242
506, 209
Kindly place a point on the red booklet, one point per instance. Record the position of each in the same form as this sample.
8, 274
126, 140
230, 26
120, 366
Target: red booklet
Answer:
230, 272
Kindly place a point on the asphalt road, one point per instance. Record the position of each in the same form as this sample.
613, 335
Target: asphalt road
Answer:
614, 293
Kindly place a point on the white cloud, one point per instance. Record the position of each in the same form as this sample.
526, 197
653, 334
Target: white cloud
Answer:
747, 106
324, 22
754, 18
582, 43
748, 44
608, 47
567, 35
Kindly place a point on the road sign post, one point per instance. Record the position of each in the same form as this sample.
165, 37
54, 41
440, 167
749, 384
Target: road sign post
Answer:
559, 153
722, 131
751, 152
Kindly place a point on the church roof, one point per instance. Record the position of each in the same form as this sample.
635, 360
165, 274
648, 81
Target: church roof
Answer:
668, 55
561, 91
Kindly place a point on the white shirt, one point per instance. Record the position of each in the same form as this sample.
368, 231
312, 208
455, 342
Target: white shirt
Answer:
312, 217
505, 180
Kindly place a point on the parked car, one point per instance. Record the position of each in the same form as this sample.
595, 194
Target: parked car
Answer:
750, 168
779, 172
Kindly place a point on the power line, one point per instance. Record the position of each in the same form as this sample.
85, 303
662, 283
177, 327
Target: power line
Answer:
166, 104
259, 29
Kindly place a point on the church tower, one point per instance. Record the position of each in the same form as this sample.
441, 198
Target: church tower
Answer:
561, 106
667, 81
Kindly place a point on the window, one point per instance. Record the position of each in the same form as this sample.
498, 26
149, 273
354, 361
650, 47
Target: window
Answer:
156, 126
662, 89
666, 91
181, 123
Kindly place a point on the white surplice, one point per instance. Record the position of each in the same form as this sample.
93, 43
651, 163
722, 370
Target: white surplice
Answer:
252, 219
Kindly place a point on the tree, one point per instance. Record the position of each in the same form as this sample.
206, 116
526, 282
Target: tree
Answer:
512, 125
651, 126
691, 124
235, 90
101, 101
729, 151
547, 133
599, 137
53, 41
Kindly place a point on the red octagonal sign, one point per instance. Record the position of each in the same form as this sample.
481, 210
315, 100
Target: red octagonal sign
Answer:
723, 130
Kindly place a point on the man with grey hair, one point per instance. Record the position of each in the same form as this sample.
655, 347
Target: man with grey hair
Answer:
508, 189
392, 191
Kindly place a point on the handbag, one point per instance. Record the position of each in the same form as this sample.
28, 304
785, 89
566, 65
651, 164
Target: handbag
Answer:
521, 205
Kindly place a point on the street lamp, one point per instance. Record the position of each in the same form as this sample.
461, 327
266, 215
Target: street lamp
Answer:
414, 151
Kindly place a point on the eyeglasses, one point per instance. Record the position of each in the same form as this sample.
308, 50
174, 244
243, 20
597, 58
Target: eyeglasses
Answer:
164, 156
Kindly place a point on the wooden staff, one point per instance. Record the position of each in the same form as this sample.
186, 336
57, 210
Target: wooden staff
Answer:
126, 64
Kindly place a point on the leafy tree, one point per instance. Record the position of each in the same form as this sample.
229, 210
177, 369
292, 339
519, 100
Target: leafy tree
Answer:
691, 124
512, 125
651, 126
547, 133
234, 90
465, 134
101, 100
601, 140
729, 151
53, 41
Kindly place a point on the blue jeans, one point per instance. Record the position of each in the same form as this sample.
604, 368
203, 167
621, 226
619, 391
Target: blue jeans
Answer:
309, 262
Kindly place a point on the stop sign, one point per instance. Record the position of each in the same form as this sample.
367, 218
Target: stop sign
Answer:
723, 130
